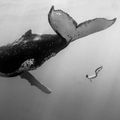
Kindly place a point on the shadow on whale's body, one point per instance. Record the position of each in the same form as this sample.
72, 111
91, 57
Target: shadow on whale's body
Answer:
32, 50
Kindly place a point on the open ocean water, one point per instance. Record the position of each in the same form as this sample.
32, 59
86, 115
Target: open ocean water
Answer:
73, 96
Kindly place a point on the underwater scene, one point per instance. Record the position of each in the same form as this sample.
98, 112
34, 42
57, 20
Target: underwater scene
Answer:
59, 60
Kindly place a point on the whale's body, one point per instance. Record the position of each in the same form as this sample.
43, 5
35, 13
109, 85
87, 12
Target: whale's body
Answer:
14, 56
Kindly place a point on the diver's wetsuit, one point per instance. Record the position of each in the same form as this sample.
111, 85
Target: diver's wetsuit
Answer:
13, 55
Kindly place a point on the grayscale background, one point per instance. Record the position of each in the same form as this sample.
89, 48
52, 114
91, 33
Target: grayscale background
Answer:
73, 96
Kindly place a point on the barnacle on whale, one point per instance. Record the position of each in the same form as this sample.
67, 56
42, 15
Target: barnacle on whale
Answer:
31, 50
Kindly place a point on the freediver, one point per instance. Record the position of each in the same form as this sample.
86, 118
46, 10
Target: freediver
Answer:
32, 50
95, 75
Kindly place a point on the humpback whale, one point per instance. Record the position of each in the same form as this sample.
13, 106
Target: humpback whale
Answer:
31, 50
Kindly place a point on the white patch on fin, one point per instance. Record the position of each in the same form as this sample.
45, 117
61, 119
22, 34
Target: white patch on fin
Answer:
26, 65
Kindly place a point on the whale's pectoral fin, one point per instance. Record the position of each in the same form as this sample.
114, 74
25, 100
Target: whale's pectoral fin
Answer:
64, 25
33, 81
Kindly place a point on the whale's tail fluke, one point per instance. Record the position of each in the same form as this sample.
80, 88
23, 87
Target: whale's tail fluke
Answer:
63, 24
92, 26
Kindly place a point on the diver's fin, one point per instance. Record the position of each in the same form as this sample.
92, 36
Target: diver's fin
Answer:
63, 24
98, 69
33, 81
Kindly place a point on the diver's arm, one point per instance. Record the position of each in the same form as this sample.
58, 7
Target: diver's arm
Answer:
91, 77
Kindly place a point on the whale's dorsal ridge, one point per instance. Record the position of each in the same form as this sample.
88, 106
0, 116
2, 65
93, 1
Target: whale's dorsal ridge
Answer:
28, 34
